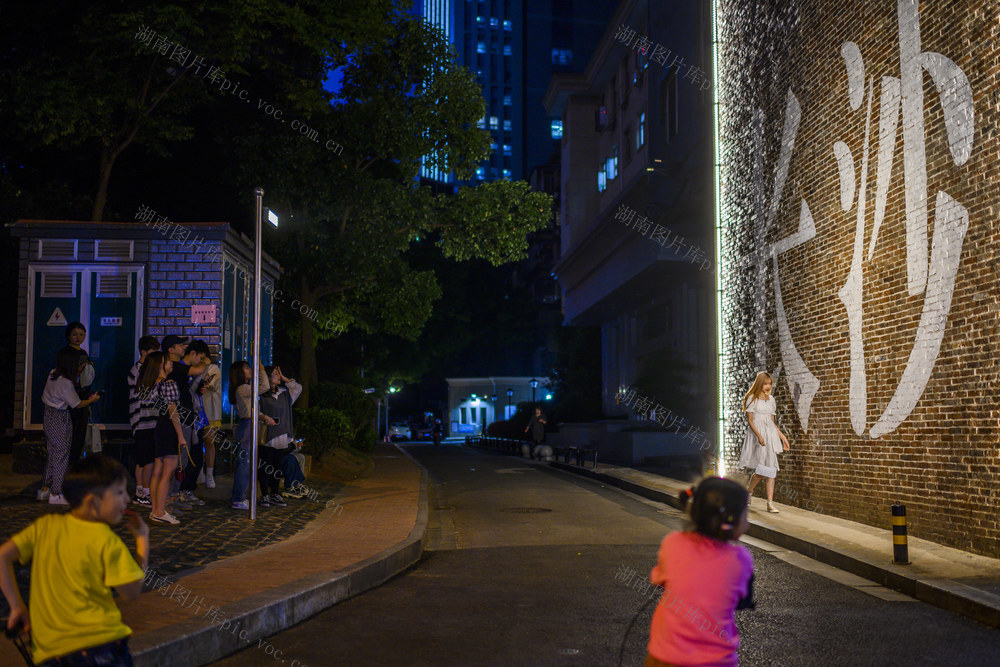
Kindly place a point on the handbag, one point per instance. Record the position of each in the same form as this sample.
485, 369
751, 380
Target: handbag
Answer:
93, 440
766, 471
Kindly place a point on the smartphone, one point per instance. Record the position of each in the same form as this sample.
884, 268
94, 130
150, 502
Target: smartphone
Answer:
99, 392
277, 421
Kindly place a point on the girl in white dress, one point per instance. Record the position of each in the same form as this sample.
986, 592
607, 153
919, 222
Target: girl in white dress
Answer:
764, 441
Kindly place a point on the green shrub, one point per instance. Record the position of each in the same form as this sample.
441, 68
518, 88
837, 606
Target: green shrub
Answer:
322, 429
357, 407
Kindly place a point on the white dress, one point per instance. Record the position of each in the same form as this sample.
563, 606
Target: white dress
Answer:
763, 420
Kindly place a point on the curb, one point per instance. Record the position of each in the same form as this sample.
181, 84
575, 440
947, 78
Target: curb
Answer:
946, 594
264, 614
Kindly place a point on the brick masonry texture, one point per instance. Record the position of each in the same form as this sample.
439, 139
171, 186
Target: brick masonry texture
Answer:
885, 360
171, 292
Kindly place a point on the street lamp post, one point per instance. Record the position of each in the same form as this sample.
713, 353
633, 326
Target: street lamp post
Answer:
493, 398
255, 414
533, 383
510, 394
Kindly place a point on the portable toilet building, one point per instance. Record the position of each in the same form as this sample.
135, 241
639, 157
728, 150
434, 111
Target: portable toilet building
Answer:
123, 280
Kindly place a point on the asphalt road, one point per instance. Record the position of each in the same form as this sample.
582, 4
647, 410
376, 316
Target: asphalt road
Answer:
523, 567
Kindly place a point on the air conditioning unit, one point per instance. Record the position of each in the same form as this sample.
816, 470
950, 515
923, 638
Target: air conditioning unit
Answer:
603, 121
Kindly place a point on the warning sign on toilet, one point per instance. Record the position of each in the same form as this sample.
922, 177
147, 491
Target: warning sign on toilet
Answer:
57, 319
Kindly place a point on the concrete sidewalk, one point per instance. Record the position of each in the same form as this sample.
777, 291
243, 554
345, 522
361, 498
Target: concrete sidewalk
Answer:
955, 580
374, 529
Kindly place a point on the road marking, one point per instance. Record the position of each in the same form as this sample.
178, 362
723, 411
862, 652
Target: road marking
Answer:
848, 579
503, 471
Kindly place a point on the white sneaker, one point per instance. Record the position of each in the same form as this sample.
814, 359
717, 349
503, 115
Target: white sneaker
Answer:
191, 499
209, 481
57, 499
772, 509
166, 518
241, 505
201, 477
42, 494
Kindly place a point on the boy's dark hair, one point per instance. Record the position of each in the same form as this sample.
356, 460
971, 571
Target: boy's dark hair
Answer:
73, 326
198, 347
715, 507
92, 474
67, 364
148, 344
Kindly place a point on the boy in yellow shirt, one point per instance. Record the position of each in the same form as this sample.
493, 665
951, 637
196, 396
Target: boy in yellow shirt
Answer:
76, 561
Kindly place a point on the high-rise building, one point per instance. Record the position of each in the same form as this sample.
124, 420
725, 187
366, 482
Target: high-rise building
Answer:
513, 48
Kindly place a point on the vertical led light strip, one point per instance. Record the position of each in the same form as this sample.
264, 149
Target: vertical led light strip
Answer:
719, 257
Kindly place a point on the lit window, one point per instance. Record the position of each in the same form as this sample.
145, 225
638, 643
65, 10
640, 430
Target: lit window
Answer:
506, 149
494, 123
506, 25
480, 173
506, 49
602, 182
480, 19
494, 22
506, 174
481, 123
493, 145
562, 56
640, 132
481, 47
611, 166
506, 125
557, 129
506, 100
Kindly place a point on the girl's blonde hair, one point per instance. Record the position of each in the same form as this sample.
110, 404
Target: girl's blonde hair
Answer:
755, 388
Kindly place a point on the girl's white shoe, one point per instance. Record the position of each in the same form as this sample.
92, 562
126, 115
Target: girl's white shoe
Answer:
772, 509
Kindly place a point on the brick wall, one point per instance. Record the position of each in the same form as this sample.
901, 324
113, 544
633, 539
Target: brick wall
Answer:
180, 277
868, 274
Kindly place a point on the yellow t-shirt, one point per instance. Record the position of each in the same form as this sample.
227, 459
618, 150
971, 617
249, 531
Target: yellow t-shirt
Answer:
75, 564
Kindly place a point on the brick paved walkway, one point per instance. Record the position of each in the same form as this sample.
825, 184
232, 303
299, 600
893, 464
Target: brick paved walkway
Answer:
206, 533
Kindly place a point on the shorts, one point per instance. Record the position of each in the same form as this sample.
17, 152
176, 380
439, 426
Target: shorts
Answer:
145, 446
165, 441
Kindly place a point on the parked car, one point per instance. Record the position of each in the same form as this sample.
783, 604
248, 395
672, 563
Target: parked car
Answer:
420, 430
399, 430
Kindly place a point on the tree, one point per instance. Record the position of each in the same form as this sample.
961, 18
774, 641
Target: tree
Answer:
105, 76
354, 212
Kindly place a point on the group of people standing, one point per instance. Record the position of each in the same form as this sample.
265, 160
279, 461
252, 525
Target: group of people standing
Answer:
175, 412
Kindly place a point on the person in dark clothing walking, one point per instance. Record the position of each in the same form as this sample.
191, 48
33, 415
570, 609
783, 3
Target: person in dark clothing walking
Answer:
76, 333
537, 427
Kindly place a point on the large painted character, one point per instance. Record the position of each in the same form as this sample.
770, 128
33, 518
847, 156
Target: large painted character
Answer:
934, 277
802, 384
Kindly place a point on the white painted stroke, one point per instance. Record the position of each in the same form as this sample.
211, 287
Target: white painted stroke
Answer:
855, 64
956, 103
793, 114
852, 296
802, 384
845, 169
888, 123
950, 226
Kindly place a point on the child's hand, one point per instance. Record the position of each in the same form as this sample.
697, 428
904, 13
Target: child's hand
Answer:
135, 524
18, 617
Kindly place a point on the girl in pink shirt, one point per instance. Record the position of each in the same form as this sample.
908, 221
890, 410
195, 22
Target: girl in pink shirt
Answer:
705, 577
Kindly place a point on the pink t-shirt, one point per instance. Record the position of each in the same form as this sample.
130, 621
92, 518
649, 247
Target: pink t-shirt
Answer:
703, 580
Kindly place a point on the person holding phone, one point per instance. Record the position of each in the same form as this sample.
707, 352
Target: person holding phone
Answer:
59, 398
276, 404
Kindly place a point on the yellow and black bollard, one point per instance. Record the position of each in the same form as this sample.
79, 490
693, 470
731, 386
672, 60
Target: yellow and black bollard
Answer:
900, 554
